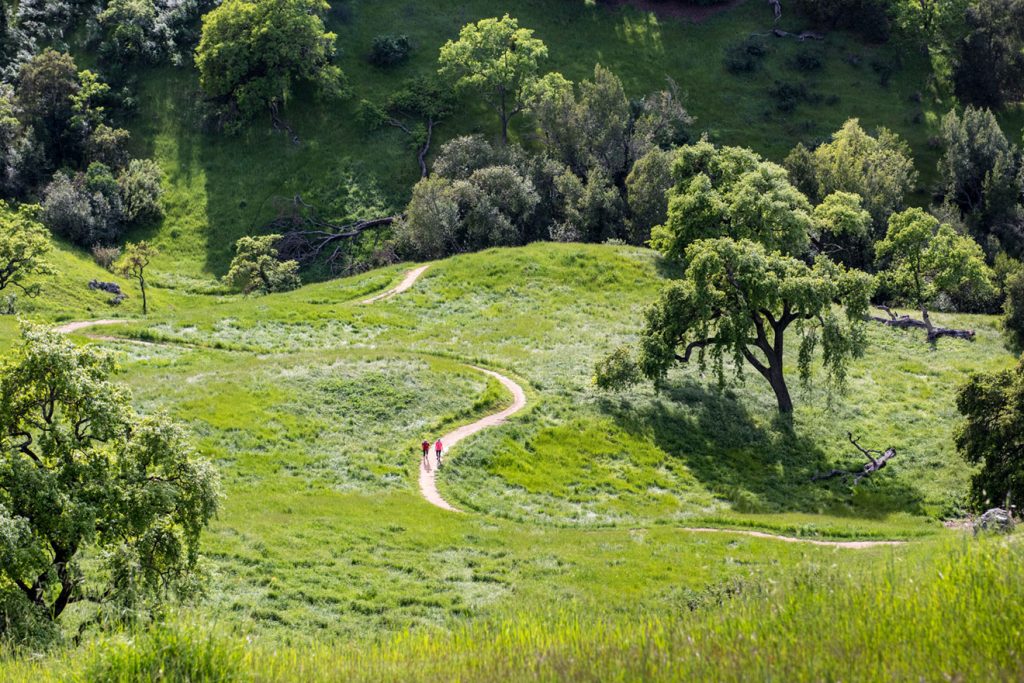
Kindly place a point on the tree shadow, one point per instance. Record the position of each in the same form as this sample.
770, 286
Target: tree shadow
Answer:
758, 465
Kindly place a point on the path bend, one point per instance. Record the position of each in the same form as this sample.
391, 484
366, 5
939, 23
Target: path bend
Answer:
428, 469
410, 279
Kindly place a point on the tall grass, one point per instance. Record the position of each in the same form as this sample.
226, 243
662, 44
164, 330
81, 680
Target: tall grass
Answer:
956, 616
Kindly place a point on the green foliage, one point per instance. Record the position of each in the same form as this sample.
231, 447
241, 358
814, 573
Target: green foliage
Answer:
257, 267
736, 300
499, 61
869, 18
647, 187
96, 207
878, 168
253, 53
926, 258
389, 50
81, 472
140, 187
1013, 308
23, 247
595, 126
491, 207
991, 404
129, 25
842, 228
988, 67
732, 192
591, 211
981, 174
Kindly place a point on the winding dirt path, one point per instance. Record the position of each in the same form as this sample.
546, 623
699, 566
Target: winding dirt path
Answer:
410, 279
428, 470
68, 328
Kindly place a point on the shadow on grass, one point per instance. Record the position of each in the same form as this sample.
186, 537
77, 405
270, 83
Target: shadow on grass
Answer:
759, 468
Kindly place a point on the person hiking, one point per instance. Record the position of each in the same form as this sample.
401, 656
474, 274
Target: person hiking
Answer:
426, 453
438, 447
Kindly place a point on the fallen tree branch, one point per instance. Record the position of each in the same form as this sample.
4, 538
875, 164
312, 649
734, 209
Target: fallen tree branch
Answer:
877, 460
282, 125
306, 238
905, 321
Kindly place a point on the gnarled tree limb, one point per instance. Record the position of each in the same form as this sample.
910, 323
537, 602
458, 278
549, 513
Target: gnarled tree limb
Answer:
905, 321
877, 460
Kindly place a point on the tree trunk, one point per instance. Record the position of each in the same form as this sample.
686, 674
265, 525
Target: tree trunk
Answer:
778, 382
142, 286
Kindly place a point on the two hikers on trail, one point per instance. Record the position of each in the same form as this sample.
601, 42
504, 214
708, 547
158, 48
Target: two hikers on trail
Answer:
438, 449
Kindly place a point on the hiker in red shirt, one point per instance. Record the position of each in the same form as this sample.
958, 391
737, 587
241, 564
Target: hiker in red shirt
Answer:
426, 453
438, 447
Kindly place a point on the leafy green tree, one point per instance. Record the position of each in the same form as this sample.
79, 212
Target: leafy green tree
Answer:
253, 52
926, 258
24, 245
993, 429
588, 129
81, 473
988, 62
430, 227
257, 267
732, 192
133, 263
842, 229
129, 27
878, 168
592, 211
499, 61
979, 169
43, 99
1013, 308
594, 125
647, 187
738, 300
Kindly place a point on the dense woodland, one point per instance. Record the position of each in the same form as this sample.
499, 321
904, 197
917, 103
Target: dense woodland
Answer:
773, 261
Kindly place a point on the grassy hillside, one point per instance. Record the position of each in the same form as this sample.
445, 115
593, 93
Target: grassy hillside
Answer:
221, 187
312, 405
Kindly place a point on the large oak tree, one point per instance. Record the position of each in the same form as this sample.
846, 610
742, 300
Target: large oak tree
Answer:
82, 473
738, 300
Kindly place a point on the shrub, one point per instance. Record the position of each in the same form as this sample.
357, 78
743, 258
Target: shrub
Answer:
105, 257
84, 210
807, 60
788, 96
140, 190
745, 56
389, 50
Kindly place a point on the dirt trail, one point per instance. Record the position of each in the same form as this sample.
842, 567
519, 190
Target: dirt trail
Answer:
791, 539
410, 279
68, 328
428, 470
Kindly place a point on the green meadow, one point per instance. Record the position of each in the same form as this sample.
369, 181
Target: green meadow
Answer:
583, 551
